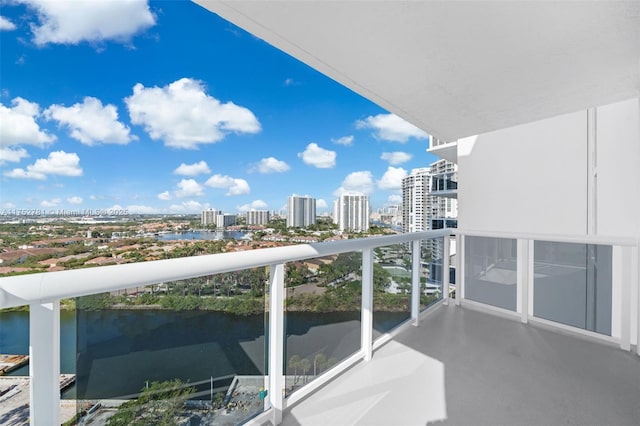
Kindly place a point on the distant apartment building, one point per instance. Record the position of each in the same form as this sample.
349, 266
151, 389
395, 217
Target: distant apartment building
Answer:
351, 212
257, 217
224, 220
301, 211
208, 217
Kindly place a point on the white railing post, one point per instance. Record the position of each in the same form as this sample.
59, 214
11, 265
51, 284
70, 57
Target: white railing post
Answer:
522, 279
415, 281
366, 322
44, 363
625, 309
276, 340
460, 242
446, 279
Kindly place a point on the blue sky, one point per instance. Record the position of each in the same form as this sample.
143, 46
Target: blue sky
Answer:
163, 107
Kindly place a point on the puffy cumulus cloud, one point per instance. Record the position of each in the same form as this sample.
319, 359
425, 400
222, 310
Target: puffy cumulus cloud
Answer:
390, 127
189, 206
72, 22
164, 196
234, 186
58, 163
392, 178
321, 204
318, 157
138, 209
345, 140
254, 205
189, 188
6, 25
396, 158
8, 155
74, 200
183, 116
51, 203
194, 169
395, 199
356, 182
91, 123
19, 126
270, 165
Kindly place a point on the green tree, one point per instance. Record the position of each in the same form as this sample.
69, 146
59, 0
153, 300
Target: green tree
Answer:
294, 364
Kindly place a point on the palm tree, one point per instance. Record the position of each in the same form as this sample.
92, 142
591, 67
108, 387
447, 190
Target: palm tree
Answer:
294, 363
319, 363
305, 365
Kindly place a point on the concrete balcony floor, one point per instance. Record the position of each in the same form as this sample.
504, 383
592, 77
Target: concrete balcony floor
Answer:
464, 367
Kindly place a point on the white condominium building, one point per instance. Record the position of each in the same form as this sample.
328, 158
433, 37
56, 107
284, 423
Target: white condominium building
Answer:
351, 212
208, 217
301, 211
257, 217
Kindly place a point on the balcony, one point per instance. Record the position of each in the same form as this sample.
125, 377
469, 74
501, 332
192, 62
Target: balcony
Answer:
445, 185
443, 149
504, 344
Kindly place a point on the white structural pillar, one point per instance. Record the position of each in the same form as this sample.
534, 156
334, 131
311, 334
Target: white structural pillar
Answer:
625, 309
276, 341
522, 278
446, 279
367, 304
415, 282
44, 363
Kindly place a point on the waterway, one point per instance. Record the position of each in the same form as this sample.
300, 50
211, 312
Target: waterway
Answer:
115, 352
203, 235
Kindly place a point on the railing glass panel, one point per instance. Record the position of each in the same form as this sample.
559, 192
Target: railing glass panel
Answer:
391, 287
490, 271
322, 319
572, 284
431, 274
192, 348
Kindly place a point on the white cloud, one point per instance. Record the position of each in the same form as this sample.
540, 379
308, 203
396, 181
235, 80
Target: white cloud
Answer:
19, 125
51, 203
396, 158
8, 205
139, 209
290, 82
234, 186
345, 140
91, 123
270, 165
194, 169
390, 127
74, 200
318, 157
6, 25
8, 155
254, 205
164, 196
189, 188
189, 206
321, 204
395, 199
392, 178
356, 182
71, 22
58, 163
184, 116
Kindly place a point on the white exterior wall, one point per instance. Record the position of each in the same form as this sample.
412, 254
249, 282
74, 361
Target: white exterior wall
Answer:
534, 179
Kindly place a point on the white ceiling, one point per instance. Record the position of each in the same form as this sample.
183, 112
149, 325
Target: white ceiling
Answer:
459, 68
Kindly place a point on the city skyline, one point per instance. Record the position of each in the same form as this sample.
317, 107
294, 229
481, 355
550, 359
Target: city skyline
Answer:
128, 117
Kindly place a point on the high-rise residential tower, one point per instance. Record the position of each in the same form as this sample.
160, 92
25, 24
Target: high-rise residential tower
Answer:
301, 211
351, 212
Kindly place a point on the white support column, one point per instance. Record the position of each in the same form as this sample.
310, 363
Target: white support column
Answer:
446, 279
460, 242
522, 267
367, 304
44, 363
415, 282
276, 341
625, 309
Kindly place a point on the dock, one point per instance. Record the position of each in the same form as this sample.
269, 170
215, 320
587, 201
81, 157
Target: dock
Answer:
8, 363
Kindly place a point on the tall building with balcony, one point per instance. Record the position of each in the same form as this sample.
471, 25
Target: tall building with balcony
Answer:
257, 217
301, 211
224, 220
351, 212
208, 217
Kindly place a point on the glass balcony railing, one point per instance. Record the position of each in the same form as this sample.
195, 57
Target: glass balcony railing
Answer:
215, 339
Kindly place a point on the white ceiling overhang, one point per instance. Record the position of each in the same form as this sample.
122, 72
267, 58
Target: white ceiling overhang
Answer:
459, 68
